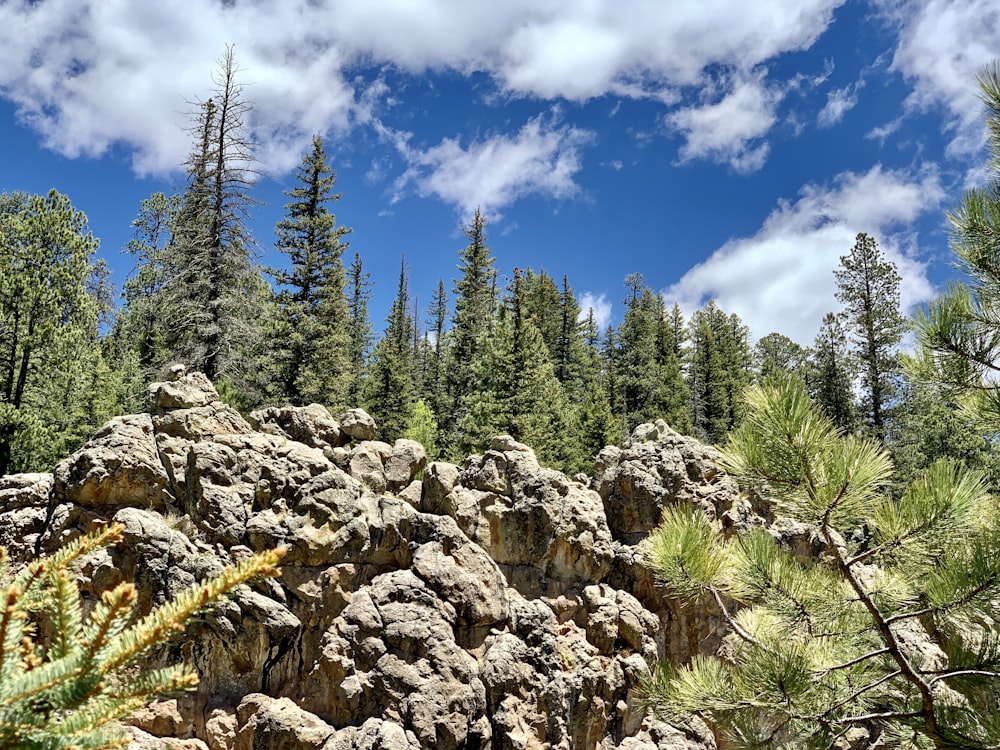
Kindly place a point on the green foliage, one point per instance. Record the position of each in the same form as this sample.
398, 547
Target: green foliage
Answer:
831, 374
868, 286
423, 428
959, 331
718, 371
389, 389
826, 645
472, 321
51, 297
196, 284
360, 328
66, 679
311, 351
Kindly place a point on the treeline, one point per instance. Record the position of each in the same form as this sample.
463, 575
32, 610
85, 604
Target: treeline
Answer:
494, 352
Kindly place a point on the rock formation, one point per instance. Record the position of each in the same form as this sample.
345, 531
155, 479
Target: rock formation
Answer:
497, 604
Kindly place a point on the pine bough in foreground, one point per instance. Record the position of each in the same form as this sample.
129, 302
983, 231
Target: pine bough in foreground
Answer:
65, 680
894, 630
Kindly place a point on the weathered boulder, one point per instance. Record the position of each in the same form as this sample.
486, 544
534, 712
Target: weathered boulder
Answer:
497, 604
119, 465
311, 425
357, 424
185, 392
24, 508
402, 466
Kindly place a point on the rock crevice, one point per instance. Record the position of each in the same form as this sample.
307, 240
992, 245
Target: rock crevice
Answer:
497, 604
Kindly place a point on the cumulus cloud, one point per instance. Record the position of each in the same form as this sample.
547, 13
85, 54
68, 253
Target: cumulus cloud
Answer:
728, 130
601, 306
492, 173
942, 46
781, 278
88, 75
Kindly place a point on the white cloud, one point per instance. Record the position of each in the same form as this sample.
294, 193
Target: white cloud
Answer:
943, 44
601, 306
781, 278
729, 130
838, 103
88, 75
491, 174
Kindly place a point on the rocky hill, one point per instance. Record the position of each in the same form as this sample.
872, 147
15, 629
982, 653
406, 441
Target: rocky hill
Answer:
497, 604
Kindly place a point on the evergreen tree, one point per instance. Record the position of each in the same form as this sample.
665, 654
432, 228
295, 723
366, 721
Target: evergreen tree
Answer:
673, 396
637, 354
825, 646
215, 293
433, 385
520, 394
311, 354
719, 370
49, 311
959, 333
475, 294
143, 326
775, 354
360, 328
543, 307
868, 286
389, 391
830, 374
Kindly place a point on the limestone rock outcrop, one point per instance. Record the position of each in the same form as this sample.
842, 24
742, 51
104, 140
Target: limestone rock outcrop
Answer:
497, 604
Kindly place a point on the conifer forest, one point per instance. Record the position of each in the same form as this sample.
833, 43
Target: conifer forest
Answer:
497, 350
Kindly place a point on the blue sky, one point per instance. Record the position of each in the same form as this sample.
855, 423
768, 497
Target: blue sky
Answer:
723, 149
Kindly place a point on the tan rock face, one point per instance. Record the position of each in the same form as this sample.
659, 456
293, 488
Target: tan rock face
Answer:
497, 604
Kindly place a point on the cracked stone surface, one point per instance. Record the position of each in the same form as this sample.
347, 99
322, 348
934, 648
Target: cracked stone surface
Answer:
497, 604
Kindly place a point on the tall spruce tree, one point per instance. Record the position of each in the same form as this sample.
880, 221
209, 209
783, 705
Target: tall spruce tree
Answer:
311, 353
830, 374
638, 355
718, 371
360, 329
475, 303
433, 393
519, 393
868, 287
215, 292
389, 391
673, 396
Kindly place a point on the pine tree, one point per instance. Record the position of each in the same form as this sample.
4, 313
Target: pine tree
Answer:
433, 393
66, 687
360, 329
215, 292
673, 396
637, 355
518, 393
475, 294
312, 355
959, 334
49, 311
389, 389
828, 645
868, 286
830, 374
143, 326
719, 370
775, 354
